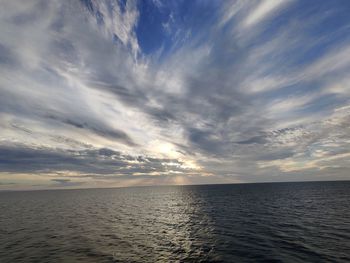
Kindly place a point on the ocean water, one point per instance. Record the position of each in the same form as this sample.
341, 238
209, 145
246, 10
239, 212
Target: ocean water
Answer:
276, 222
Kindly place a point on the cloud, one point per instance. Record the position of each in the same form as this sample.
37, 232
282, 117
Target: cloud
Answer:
117, 20
107, 132
240, 98
92, 163
262, 11
256, 139
66, 183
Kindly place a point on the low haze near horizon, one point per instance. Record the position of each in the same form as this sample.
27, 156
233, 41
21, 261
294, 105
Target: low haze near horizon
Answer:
123, 93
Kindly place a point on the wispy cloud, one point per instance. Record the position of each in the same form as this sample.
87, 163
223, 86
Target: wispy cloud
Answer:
262, 11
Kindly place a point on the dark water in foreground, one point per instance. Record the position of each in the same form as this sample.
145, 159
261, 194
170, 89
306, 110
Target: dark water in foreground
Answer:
280, 222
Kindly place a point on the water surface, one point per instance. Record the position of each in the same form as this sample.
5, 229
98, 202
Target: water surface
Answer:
277, 222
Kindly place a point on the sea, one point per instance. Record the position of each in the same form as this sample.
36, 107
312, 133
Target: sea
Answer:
263, 222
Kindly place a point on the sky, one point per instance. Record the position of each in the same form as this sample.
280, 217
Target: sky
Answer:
127, 93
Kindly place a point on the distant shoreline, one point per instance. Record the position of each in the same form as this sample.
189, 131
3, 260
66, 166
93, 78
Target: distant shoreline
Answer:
185, 185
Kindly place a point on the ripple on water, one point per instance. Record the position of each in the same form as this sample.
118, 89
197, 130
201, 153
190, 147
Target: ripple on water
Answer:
285, 222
